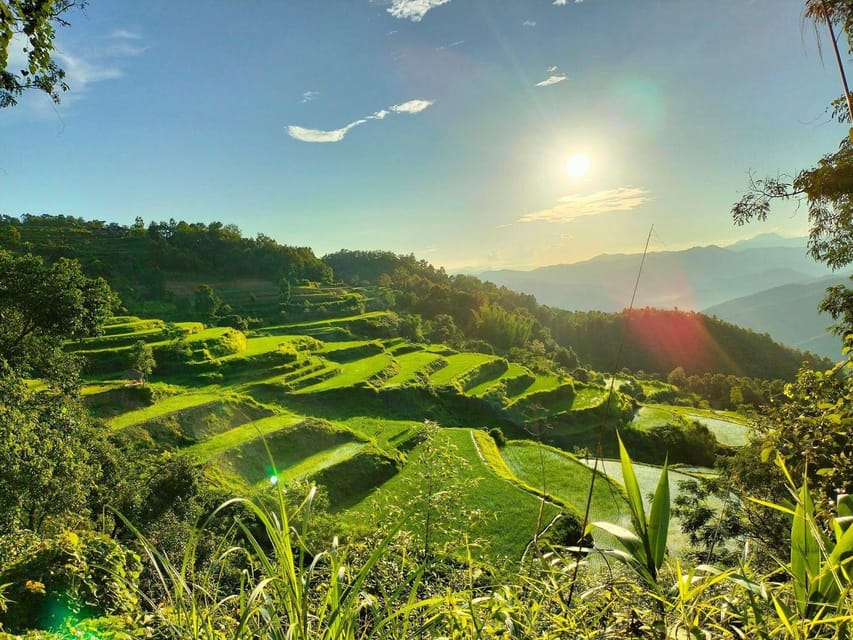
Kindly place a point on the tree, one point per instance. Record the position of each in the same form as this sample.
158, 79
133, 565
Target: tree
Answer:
48, 446
142, 359
834, 13
207, 303
43, 305
33, 21
827, 188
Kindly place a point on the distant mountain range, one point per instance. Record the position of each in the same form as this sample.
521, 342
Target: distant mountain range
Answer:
767, 283
789, 314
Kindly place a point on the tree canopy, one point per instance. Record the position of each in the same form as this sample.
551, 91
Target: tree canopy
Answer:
32, 24
43, 305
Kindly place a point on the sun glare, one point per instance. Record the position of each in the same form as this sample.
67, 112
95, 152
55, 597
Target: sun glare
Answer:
578, 165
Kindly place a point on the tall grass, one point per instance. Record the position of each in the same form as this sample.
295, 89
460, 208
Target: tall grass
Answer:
264, 581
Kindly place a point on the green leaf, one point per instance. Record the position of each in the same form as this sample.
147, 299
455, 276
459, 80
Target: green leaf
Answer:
628, 539
632, 488
659, 519
805, 550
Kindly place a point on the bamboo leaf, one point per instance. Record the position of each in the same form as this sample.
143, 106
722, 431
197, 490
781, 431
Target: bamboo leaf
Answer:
805, 550
659, 519
632, 488
632, 543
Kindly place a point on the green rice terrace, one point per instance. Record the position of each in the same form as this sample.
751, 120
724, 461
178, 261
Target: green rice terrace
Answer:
342, 402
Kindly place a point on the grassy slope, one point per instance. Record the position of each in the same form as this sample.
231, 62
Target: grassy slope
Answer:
410, 364
164, 407
566, 478
508, 515
513, 371
457, 365
355, 372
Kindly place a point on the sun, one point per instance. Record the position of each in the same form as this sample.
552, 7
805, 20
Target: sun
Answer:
578, 165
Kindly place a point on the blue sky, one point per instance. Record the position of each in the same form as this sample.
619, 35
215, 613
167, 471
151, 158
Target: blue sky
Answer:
438, 128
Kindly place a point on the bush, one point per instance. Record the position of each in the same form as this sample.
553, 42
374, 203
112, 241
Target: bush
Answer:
234, 321
84, 574
498, 436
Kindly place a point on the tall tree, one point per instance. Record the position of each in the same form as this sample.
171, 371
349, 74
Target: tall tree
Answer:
43, 305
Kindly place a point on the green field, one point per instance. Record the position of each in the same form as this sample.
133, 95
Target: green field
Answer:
514, 371
726, 430
506, 515
457, 365
410, 364
727, 426
352, 373
168, 405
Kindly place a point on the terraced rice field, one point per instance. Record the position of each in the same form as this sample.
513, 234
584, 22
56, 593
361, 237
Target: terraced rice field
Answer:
457, 365
166, 406
726, 431
410, 364
647, 478
352, 373
244, 423
507, 515
515, 370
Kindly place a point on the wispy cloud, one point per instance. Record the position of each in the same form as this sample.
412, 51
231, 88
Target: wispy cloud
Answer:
412, 106
553, 79
561, 3
318, 135
308, 96
125, 34
569, 208
551, 69
304, 134
451, 45
99, 60
413, 10
121, 43
528, 23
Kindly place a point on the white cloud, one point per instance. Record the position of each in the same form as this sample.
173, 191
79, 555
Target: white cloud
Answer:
551, 69
528, 23
561, 3
412, 106
304, 134
553, 79
413, 10
569, 208
318, 135
308, 96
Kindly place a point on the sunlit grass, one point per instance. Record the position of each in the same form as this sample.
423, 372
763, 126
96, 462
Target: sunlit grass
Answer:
163, 407
457, 365
410, 364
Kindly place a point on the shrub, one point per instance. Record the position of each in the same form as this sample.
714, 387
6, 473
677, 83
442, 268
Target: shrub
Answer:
84, 574
234, 321
498, 436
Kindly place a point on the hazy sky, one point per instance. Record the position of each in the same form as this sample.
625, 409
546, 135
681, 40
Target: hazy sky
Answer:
439, 127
